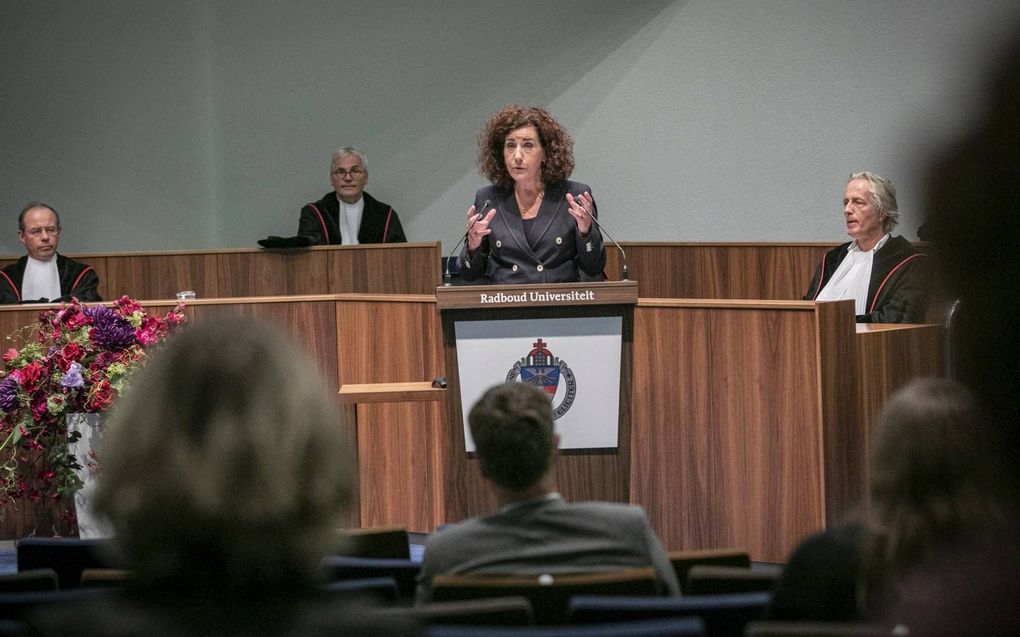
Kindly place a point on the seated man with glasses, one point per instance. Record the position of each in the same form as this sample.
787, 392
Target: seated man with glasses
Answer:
43, 275
348, 215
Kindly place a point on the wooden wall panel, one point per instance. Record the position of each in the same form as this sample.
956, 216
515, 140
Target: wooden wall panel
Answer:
406, 268
272, 273
403, 450
15, 318
726, 445
106, 291
403, 453
719, 270
389, 341
311, 324
391, 269
157, 276
845, 445
888, 357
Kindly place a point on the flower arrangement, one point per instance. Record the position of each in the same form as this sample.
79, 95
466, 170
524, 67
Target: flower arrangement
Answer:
73, 359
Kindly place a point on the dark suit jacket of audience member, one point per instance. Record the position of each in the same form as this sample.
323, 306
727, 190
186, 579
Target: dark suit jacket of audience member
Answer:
828, 579
548, 535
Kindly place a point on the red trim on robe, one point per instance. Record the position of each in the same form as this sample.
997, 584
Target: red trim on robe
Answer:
80, 276
874, 300
322, 222
821, 275
386, 227
17, 292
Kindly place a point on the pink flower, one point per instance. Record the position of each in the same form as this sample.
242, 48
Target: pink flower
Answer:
177, 316
39, 407
100, 397
30, 375
125, 306
77, 345
72, 353
146, 335
77, 320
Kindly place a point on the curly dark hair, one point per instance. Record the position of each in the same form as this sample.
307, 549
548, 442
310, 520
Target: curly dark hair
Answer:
512, 426
557, 144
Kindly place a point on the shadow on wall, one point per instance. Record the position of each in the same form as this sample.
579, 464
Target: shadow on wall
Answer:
216, 120
412, 84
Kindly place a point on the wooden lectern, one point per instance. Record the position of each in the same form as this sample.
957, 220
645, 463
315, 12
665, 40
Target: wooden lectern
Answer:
582, 474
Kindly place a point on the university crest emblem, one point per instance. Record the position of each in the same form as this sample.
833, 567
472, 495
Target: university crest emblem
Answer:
548, 373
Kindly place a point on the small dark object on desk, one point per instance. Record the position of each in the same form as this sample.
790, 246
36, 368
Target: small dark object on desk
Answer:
285, 242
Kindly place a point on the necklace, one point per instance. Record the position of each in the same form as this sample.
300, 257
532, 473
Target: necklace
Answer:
525, 209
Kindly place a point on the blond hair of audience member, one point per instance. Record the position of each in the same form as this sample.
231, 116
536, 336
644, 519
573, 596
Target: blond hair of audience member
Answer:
224, 464
933, 484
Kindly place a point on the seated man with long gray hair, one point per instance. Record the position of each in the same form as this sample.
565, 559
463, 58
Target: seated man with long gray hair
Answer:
884, 275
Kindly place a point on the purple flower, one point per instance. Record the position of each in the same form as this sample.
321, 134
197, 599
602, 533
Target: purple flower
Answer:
9, 394
72, 377
109, 330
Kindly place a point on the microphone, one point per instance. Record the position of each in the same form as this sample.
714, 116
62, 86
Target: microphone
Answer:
624, 272
478, 215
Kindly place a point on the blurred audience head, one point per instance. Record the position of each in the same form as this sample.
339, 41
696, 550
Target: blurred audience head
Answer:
512, 426
224, 463
933, 485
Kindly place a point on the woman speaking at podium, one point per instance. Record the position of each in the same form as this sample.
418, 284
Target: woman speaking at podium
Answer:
532, 224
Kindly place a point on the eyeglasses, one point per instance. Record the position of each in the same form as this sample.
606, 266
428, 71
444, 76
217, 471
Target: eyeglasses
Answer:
353, 172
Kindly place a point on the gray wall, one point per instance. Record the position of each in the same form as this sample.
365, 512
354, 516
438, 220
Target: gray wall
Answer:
202, 124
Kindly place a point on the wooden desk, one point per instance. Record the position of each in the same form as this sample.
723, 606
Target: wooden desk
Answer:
677, 270
749, 419
391, 268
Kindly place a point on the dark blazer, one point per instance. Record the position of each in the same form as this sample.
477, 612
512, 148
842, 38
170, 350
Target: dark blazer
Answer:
898, 290
76, 280
560, 254
320, 221
830, 578
548, 536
